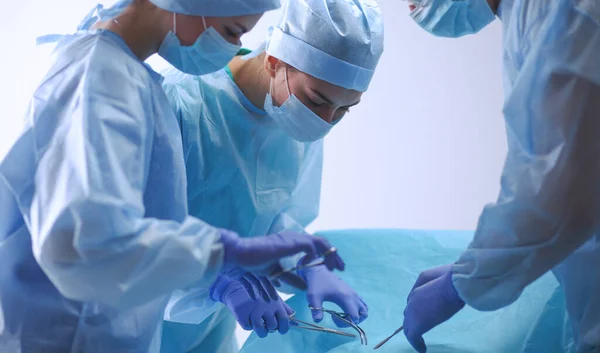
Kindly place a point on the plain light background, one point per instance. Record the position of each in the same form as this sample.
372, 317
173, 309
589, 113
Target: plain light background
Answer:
423, 150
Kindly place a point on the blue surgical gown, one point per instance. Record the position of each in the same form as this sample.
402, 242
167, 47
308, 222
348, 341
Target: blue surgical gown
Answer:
95, 232
244, 174
547, 216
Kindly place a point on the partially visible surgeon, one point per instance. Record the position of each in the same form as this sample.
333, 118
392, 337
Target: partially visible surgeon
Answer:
547, 215
253, 145
95, 232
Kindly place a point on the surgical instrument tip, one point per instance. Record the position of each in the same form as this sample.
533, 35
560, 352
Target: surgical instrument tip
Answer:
389, 338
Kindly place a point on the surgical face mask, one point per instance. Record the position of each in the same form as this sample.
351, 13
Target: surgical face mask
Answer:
452, 18
210, 53
295, 119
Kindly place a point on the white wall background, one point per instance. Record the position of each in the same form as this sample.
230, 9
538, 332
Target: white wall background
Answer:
423, 150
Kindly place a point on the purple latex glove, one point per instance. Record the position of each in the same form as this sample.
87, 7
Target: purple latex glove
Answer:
253, 301
323, 286
261, 255
432, 301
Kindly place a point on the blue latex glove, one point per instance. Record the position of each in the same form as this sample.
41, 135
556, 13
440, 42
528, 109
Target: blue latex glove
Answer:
432, 301
261, 255
323, 286
253, 301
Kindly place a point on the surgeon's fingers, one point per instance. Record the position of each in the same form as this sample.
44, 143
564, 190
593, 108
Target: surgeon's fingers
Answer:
270, 321
315, 301
258, 287
248, 286
333, 261
258, 325
416, 341
363, 311
244, 323
288, 309
283, 320
428, 276
269, 288
350, 308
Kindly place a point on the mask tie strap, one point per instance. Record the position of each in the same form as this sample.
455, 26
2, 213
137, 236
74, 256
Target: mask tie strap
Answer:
174, 23
287, 84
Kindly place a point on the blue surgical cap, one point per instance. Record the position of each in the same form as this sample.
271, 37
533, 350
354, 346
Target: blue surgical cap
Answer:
218, 8
209, 8
338, 41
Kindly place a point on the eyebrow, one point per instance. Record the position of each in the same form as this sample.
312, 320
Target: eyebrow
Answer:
329, 101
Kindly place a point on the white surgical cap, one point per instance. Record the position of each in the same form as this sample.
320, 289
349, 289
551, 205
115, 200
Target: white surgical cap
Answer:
338, 41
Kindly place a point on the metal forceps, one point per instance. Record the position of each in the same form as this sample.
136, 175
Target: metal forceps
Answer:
289, 276
344, 317
315, 327
389, 338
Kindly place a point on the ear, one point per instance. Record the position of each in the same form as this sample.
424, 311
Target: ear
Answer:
271, 63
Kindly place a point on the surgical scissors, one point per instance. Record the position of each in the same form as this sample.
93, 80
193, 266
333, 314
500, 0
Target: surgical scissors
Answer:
288, 275
389, 338
344, 317
315, 327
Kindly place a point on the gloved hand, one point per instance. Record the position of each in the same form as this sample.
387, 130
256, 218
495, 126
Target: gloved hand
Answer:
432, 301
253, 301
261, 254
323, 285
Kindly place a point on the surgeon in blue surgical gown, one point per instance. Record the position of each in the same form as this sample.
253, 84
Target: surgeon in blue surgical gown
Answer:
95, 232
253, 144
547, 216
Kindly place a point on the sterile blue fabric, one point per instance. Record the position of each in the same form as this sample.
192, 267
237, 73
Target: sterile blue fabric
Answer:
547, 214
96, 231
384, 266
238, 158
253, 301
450, 18
345, 38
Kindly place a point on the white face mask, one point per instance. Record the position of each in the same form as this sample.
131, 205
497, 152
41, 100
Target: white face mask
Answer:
210, 53
295, 119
